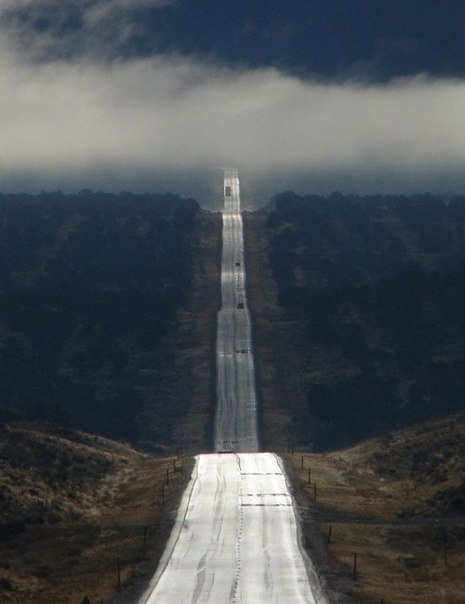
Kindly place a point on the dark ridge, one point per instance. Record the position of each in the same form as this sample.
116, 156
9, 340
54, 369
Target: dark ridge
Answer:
376, 288
90, 287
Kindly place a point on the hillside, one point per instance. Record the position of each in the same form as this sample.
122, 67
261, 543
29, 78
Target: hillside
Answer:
102, 300
72, 504
107, 324
363, 331
398, 503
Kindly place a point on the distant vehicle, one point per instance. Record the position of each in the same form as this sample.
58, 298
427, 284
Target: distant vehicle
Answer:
226, 447
240, 305
238, 263
227, 191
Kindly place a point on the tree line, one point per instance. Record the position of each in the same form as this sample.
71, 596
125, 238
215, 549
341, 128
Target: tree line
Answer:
89, 286
378, 284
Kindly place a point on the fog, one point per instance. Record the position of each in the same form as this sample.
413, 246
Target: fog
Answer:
171, 123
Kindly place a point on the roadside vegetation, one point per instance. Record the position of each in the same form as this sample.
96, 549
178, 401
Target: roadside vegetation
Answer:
397, 503
75, 509
367, 315
94, 289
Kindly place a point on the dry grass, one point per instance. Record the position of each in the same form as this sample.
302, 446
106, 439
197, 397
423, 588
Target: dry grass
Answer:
383, 500
99, 512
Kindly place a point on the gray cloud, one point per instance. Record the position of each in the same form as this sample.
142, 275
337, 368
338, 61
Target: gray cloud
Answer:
46, 29
169, 121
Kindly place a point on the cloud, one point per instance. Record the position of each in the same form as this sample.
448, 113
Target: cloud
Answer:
144, 122
48, 29
13, 6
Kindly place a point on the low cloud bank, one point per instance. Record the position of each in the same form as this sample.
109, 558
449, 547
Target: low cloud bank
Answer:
155, 120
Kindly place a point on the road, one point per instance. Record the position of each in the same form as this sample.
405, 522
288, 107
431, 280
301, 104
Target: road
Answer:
235, 422
236, 537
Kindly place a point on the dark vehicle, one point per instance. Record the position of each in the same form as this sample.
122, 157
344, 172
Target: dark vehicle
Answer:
238, 263
227, 191
240, 305
227, 446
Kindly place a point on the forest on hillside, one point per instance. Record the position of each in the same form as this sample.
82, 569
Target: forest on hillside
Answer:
378, 285
89, 286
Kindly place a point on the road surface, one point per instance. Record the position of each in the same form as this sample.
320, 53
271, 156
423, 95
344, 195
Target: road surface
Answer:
236, 537
236, 414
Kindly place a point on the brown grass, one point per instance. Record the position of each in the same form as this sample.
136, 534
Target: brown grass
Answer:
382, 502
89, 519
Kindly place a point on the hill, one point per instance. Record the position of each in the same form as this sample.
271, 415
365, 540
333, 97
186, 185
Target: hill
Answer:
72, 506
363, 331
107, 318
398, 503
102, 299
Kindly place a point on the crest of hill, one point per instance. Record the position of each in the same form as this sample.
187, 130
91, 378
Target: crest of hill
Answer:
60, 475
398, 503
424, 463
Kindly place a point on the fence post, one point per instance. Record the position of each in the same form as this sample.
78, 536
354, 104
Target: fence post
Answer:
118, 570
355, 567
329, 532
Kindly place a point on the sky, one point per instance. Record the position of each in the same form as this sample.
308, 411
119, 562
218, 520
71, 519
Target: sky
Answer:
160, 95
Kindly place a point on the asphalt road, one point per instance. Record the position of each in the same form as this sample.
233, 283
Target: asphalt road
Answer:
236, 537
236, 415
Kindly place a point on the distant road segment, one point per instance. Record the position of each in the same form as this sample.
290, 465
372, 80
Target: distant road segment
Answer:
236, 414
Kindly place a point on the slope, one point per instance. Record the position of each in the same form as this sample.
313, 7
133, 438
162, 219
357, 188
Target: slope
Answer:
398, 503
